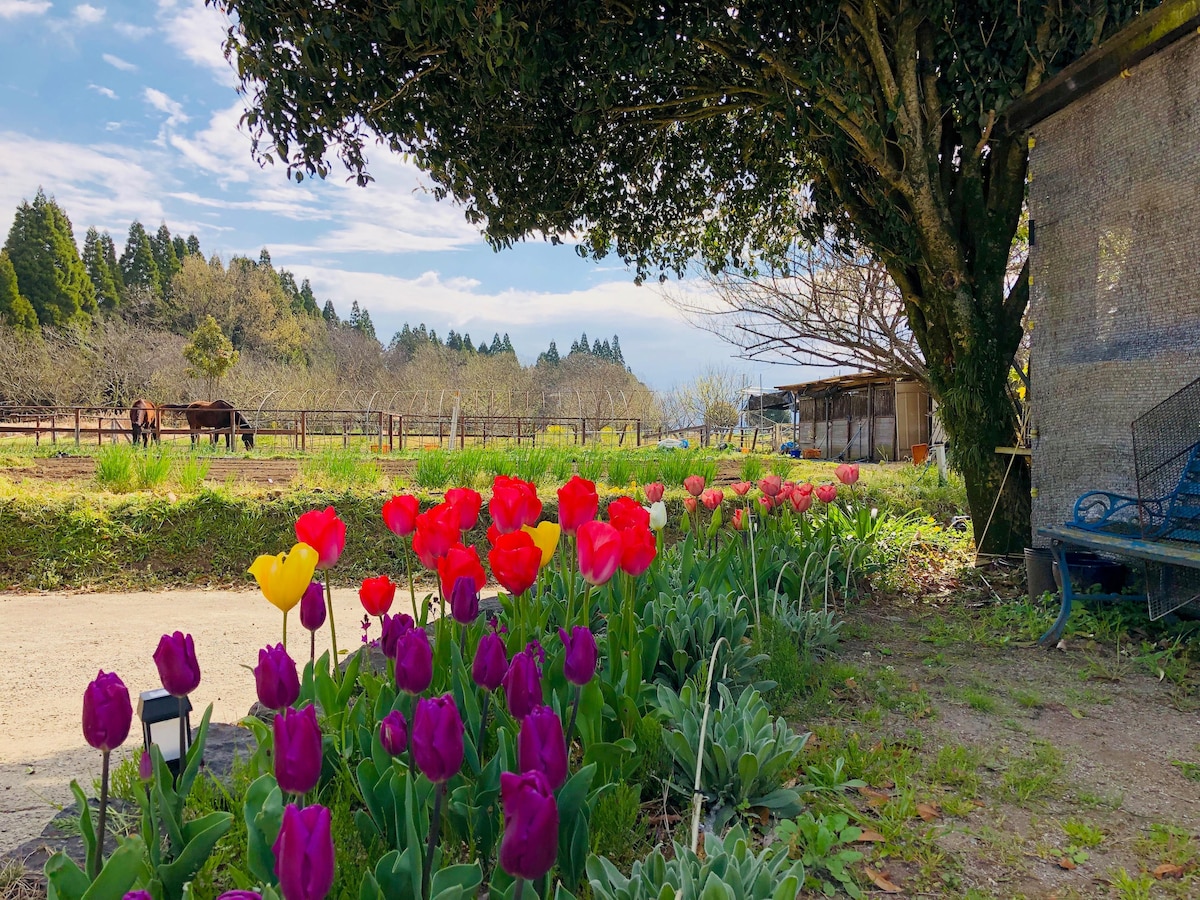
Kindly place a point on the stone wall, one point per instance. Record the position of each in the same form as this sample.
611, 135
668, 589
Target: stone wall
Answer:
1114, 200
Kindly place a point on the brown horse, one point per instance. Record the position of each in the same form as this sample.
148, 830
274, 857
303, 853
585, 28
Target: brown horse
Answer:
144, 422
217, 415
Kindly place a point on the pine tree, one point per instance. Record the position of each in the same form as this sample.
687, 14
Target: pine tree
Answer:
181, 247
617, 356
606, 351
329, 314
50, 274
355, 316
497, 348
264, 259
138, 266
95, 261
109, 251
164, 257
307, 300
584, 346
597, 350
287, 281
468, 345
15, 310
506, 345
434, 339
366, 326
453, 341
483, 349
193, 245
552, 353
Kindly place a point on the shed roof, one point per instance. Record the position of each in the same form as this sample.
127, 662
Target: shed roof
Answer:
840, 383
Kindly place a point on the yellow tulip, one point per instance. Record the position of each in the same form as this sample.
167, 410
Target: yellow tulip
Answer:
545, 536
283, 579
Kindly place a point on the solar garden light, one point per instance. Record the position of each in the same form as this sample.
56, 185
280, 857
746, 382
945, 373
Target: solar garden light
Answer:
165, 721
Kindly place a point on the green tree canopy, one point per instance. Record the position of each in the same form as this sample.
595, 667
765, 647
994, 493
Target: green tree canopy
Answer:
139, 268
15, 310
209, 354
166, 258
95, 260
50, 274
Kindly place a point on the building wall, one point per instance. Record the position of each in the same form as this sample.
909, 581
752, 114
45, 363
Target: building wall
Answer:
1115, 303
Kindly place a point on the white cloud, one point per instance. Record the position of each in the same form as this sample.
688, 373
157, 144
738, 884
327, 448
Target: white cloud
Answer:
11, 9
164, 104
198, 32
133, 32
86, 14
103, 91
116, 62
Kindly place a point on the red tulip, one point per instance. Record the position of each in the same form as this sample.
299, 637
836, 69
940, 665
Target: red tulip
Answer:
599, 552
827, 493
741, 488
806, 488
689, 503
400, 514
785, 490
466, 503
712, 498
324, 532
694, 484
638, 549
515, 561
460, 562
654, 491
514, 503
625, 512
578, 502
767, 503
436, 532
770, 485
738, 522
376, 594
847, 473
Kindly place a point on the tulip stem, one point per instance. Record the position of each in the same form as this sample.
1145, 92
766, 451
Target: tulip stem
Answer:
518, 888
332, 627
98, 859
574, 713
183, 736
412, 593
285, 612
312, 651
435, 825
483, 715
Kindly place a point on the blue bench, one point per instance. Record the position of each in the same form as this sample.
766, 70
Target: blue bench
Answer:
1162, 533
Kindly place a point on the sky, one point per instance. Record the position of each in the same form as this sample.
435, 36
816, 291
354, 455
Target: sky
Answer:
128, 110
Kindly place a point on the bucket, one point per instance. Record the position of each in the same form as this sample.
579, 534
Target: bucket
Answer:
1039, 571
920, 453
1088, 570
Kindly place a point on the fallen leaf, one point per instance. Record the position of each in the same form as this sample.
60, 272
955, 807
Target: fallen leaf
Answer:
874, 797
1066, 863
929, 812
851, 683
915, 688
880, 880
1168, 870
871, 837
762, 814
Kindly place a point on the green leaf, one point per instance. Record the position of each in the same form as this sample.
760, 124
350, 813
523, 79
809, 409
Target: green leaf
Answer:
120, 871
86, 828
64, 879
201, 836
263, 813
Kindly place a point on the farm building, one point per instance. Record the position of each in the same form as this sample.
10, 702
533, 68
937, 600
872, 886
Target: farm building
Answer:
1114, 224
861, 416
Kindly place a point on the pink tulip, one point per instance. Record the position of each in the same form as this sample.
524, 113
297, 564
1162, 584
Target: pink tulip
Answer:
654, 491
694, 484
712, 498
827, 493
741, 488
771, 485
847, 473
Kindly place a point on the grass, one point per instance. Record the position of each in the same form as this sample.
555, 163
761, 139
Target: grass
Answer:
114, 467
151, 471
340, 470
191, 472
1034, 777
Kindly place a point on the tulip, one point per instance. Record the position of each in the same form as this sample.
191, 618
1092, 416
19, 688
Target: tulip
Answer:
530, 843
599, 552
741, 488
145, 768
578, 502
464, 600
312, 606
545, 538
785, 490
466, 502
177, 666
690, 504
827, 493
658, 515
393, 627
806, 488
738, 522
145, 895
847, 473
712, 498
414, 661
515, 561
275, 678
514, 503
625, 512
694, 484
437, 738
230, 895
393, 733
542, 747
767, 502
490, 663
460, 562
400, 514
304, 853
801, 502
771, 485
325, 533
436, 532
297, 750
581, 655
283, 579
638, 549
523, 684
107, 712
654, 491
376, 595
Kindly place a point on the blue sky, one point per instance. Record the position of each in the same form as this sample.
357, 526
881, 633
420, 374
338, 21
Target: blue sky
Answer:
128, 110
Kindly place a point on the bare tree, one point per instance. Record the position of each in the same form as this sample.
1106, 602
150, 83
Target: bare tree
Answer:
712, 398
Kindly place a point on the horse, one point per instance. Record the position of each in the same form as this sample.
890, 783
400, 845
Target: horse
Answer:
144, 422
218, 415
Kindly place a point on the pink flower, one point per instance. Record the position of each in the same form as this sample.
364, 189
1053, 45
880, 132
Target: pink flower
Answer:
694, 484
654, 491
741, 488
827, 493
771, 485
689, 503
847, 473
712, 498
801, 502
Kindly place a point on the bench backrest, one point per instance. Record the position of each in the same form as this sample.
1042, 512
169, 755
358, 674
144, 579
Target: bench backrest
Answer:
1181, 521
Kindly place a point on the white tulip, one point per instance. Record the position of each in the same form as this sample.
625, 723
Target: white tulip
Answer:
658, 515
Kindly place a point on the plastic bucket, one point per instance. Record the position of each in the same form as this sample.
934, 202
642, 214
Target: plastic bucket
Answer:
1039, 571
920, 453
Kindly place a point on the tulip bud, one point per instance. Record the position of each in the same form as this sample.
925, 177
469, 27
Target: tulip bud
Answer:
145, 767
414, 662
542, 747
176, 662
393, 628
107, 712
376, 595
694, 484
599, 552
738, 522
581, 655
324, 532
144, 895
654, 491
437, 738
304, 853
800, 502
515, 560
490, 663
466, 503
523, 684
312, 607
847, 473
393, 733
400, 514
712, 498
275, 678
464, 600
530, 843
297, 750
689, 503
578, 503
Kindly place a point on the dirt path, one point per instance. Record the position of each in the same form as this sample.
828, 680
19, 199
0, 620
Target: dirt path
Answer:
53, 644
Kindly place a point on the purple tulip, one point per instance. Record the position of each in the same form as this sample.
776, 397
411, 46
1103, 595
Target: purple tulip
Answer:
530, 843
414, 661
312, 607
304, 855
145, 767
393, 628
523, 684
240, 895
393, 733
275, 678
177, 666
579, 663
541, 746
144, 895
464, 600
297, 750
107, 712
437, 738
490, 663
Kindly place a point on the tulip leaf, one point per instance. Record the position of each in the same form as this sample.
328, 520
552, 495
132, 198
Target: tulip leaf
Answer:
466, 877
327, 694
349, 681
120, 871
64, 879
193, 758
263, 812
201, 835
86, 827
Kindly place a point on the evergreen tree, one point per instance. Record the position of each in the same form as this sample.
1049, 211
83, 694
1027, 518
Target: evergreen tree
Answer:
50, 274
483, 349
574, 347
606, 351
453, 341
264, 259
365, 325
193, 245
597, 350
165, 257
287, 281
584, 346
550, 356
329, 314
15, 310
497, 347
109, 251
95, 261
138, 266
506, 345
468, 344
181, 247
434, 339
617, 356
307, 300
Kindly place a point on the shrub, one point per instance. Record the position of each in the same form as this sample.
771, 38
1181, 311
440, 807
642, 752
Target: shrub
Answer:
825, 846
614, 823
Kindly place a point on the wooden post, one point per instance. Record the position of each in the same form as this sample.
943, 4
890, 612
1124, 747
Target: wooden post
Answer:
77, 426
582, 432
462, 433
158, 429
518, 432
303, 430
639, 432
754, 441
381, 431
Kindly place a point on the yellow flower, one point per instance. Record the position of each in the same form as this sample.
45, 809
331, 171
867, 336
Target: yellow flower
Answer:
545, 536
283, 579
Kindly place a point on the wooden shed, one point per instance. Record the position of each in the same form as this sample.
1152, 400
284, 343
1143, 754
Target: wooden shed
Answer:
862, 416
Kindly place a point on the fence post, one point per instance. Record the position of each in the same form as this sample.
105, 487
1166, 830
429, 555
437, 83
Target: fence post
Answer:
462, 433
77, 426
381, 431
582, 432
402, 432
518, 432
158, 429
303, 430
